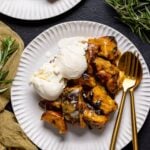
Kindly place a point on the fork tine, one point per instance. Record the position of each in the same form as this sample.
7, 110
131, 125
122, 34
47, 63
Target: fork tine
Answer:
137, 65
128, 64
132, 72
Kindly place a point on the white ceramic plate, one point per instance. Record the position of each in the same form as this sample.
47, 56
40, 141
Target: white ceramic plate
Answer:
25, 100
35, 9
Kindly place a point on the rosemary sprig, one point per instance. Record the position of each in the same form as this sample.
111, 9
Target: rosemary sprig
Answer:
7, 48
136, 14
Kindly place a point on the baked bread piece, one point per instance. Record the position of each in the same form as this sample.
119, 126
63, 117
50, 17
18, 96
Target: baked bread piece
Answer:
99, 98
108, 75
51, 105
105, 47
70, 98
77, 111
93, 119
103, 101
86, 81
56, 119
88, 101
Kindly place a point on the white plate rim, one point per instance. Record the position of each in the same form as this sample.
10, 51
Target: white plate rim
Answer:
84, 22
12, 15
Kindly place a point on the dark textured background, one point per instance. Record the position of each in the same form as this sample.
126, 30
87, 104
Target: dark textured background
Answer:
93, 10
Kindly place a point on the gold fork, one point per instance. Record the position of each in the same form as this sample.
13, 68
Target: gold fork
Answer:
128, 63
137, 74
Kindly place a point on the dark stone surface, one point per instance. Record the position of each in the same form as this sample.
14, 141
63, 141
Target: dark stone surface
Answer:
93, 10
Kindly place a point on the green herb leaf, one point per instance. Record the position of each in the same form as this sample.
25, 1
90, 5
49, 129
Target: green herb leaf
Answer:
8, 47
134, 13
6, 81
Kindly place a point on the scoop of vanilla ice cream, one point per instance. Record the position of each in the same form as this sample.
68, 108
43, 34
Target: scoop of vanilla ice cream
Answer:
75, 45
71, 59
48, 82
70, 63
71, 66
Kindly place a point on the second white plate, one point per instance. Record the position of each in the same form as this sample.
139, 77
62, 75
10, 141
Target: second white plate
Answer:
35, 9
25, 100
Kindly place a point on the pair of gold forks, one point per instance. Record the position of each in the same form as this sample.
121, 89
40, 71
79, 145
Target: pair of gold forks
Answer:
129, 63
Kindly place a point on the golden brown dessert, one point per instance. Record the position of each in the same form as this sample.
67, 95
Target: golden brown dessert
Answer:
101, 97
105, 47
56, 119
107, 74
89, 100
84, 80
93, 119
70, 103
51, 105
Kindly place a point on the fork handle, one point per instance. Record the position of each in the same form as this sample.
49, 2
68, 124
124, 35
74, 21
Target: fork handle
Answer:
133, 120
118, 121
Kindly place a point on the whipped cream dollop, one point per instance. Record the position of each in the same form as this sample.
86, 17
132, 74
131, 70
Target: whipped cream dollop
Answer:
70, 63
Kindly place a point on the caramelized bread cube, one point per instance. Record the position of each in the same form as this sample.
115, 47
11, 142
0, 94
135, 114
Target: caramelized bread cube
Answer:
108, 75
73, 106
82, 122
81, 107
106, 46
51, 105
85, 80
56, 119
71, 97
103, 101
94, 120
91, 54
92, 50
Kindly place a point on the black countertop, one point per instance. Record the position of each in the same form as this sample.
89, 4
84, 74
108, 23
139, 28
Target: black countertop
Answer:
93, 10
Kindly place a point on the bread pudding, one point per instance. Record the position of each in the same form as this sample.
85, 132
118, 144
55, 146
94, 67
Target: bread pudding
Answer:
88, 101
